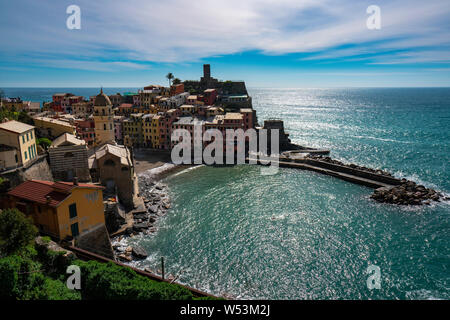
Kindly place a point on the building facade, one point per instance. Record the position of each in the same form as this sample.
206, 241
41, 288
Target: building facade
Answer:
20, 136
104, 119
60, 209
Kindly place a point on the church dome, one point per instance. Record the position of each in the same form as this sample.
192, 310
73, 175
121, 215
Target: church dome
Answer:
102, 100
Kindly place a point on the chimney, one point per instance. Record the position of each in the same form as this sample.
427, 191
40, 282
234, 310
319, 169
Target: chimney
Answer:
75, 181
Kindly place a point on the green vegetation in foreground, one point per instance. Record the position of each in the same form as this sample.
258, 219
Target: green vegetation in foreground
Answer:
30, 271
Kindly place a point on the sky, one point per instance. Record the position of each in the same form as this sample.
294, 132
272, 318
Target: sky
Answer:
283, 43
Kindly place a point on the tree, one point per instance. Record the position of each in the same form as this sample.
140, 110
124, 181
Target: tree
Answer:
170, 76
44, 142
176, 81
16, 231
25, 118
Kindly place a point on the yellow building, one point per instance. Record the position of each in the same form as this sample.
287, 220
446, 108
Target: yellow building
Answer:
60, 209
132, 127
20, 136
12, 104
104, 119
147, 129
155, 131
52, 128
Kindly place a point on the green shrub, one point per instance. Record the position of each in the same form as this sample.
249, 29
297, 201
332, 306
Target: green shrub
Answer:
16, 231
44, 142
110, 281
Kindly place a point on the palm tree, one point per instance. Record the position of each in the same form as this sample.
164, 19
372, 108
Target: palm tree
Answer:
169, 76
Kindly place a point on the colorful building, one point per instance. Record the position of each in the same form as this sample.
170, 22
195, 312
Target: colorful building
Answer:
132, 127
86, 130
112, 165
104, 121
118, 128
69, 158
52, 128
60, 209
20, 136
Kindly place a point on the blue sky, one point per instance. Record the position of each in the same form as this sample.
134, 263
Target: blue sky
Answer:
283, 43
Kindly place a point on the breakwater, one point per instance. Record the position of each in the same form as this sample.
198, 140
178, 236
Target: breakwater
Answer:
388, 188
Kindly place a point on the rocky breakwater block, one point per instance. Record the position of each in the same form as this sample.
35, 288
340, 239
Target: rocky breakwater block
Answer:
138, 227
138, 252
408, 193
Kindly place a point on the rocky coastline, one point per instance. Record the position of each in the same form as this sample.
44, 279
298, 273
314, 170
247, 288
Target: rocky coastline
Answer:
406, 193
156, 203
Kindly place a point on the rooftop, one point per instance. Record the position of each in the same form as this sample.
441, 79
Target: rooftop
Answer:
55, 121
233, 116
39, 191
15, 126
119, 151
67, 139
102, 100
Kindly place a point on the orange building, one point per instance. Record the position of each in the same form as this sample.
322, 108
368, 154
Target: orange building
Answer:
60, 209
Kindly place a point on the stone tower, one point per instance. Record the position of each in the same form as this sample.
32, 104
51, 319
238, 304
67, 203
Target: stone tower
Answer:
104, 119
206, 71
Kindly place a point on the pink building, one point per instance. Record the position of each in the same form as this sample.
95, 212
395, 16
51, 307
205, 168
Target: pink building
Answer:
118, 128
209, 96
86, 130
248, 118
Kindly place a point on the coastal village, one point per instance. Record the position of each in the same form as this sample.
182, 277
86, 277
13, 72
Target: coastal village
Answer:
72, 164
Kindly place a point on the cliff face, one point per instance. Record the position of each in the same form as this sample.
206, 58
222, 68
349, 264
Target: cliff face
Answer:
39, 170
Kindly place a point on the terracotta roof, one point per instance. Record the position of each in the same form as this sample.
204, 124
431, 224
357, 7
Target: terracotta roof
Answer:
37, 191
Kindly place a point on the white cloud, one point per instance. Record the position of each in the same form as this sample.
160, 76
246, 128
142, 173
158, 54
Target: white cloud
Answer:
182, 31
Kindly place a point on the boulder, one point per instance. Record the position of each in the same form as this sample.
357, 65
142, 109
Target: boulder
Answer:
139, 252
140, 226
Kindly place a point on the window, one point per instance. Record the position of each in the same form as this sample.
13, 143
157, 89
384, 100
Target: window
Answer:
73, 210
23, 139
28, 137
26, 156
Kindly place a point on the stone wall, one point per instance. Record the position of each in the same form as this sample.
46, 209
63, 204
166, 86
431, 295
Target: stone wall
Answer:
38, 170
96, 241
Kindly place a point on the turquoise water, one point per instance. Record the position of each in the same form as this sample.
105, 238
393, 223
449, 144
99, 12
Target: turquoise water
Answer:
301, 235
